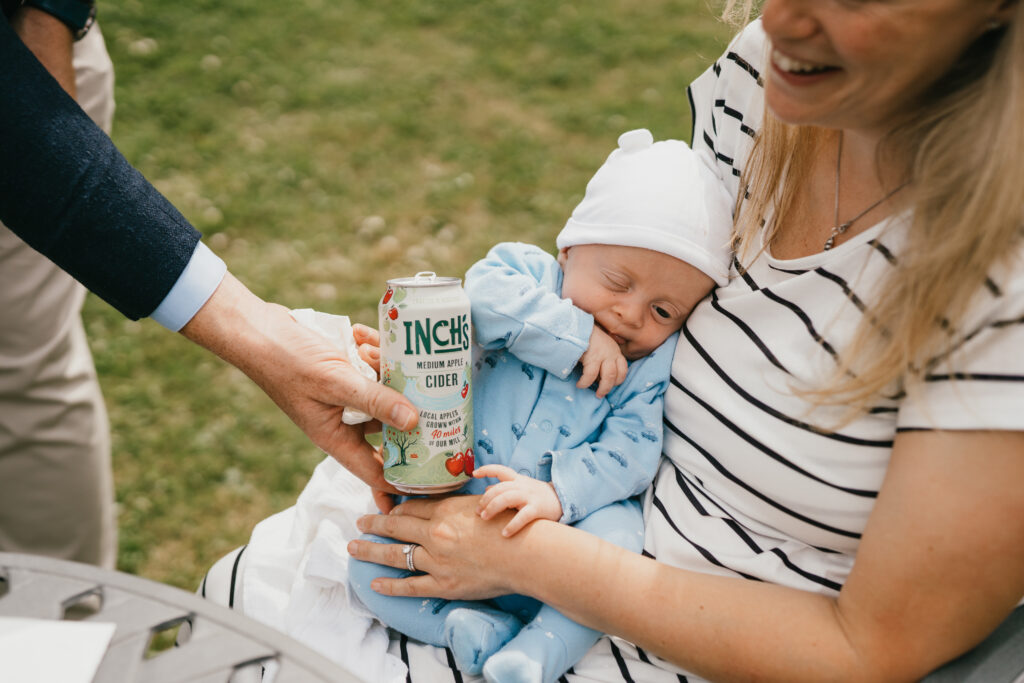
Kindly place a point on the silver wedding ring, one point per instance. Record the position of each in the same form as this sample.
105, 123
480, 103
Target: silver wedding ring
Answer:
408, 550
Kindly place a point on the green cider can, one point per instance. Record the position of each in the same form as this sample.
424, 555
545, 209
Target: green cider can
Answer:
426, 355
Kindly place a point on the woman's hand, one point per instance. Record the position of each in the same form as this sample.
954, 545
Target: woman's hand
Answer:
464, 556
306, 375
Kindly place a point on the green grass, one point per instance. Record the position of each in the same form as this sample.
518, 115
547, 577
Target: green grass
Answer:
322, 146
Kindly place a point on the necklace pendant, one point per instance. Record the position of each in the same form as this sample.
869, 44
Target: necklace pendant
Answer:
836, 231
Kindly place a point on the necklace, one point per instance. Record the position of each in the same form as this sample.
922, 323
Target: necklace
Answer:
839, 228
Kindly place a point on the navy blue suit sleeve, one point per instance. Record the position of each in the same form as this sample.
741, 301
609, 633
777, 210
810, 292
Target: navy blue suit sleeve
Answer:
68, 192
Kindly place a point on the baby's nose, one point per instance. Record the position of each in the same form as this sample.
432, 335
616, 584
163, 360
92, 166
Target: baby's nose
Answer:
631, 315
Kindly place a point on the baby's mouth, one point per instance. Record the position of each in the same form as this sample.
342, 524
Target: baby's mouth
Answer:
615, 338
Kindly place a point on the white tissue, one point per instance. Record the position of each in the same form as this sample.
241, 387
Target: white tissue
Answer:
338, 330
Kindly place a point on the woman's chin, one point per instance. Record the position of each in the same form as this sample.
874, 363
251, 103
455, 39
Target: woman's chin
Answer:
797, 113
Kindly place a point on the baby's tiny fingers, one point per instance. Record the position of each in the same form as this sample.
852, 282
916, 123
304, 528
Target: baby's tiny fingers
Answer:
495, 472
510, 498
608, 379
487, 497
503, 500
521, 519
588, 375
623, 367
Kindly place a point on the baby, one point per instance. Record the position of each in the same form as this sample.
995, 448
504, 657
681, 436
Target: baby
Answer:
575, 356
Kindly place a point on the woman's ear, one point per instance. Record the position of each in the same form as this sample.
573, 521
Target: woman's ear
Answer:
563, 255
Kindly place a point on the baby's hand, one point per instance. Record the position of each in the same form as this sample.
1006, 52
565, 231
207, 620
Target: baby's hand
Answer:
602, 360
533, 498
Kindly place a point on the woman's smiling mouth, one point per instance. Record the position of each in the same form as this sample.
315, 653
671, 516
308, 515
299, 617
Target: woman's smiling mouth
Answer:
797, 66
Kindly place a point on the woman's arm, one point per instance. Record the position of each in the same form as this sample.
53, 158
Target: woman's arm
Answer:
941, 563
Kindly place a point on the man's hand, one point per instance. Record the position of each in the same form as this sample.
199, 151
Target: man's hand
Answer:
602, 361
50, 40
533, 498
305, 374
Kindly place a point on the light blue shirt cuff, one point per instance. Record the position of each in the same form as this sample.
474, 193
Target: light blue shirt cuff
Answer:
194, 287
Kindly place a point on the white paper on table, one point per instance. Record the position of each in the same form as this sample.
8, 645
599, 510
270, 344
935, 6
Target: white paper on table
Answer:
48, 651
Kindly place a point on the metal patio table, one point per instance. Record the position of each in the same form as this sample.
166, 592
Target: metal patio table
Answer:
222, 643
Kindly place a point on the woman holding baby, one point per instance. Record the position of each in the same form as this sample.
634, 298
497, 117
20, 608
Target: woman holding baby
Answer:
840, 497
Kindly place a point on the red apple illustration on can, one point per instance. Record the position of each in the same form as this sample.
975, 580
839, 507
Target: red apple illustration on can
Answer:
387, 295
465, 389
393, 313
468, 462
455, 464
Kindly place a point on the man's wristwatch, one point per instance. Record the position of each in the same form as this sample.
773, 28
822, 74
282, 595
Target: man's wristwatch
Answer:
78, 15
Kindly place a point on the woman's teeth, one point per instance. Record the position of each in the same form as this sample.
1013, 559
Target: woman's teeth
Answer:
795, 65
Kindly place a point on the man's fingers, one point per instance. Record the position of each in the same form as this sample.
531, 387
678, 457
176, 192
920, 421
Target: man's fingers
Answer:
378, 401
384, 501
364, 334
370, 354
357, 456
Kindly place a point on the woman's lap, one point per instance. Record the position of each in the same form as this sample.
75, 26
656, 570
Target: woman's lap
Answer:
610, 660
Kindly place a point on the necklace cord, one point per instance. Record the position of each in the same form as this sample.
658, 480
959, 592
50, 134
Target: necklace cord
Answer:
837, 227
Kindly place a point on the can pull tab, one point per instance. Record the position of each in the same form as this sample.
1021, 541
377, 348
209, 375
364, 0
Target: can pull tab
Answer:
425, 275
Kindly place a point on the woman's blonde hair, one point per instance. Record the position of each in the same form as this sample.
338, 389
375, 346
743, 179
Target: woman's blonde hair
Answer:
964, 151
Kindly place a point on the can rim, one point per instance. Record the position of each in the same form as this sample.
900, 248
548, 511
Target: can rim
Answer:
425, 278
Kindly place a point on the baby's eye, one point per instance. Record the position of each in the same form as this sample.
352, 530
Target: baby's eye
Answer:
663, 313
617, 283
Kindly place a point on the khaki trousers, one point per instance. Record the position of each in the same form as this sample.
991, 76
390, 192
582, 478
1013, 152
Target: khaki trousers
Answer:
56, 486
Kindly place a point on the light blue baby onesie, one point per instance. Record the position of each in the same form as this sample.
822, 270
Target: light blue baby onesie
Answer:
600, 454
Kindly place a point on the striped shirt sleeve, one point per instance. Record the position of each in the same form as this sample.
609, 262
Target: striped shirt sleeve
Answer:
979, 382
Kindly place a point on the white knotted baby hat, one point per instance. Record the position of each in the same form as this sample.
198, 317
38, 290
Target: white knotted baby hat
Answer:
659, 196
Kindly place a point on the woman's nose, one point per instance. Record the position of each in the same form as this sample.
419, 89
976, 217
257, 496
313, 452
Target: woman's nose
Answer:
789, 19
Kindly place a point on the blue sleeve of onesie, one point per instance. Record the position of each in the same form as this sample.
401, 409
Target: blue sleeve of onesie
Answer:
623, 460
515, 303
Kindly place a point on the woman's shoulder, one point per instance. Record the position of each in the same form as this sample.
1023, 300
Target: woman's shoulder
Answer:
738, 73
727, 105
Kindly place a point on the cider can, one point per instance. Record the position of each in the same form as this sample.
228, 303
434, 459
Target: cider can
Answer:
426, 355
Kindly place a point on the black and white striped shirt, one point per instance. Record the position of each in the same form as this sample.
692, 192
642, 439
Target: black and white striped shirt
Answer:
754, 484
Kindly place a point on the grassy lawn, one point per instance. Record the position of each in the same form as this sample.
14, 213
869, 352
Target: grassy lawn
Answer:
323, 146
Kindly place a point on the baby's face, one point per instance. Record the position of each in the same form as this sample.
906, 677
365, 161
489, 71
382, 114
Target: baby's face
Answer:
638, 296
